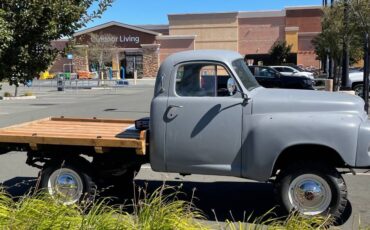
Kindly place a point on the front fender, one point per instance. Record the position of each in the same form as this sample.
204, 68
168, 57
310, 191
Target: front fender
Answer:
268, 135
363, 148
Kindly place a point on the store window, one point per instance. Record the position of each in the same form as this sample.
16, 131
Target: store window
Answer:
202, 80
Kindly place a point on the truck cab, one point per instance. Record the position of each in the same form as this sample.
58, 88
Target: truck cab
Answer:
210, 116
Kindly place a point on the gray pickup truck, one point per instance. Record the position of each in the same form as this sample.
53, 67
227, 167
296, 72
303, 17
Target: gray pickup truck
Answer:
210, 116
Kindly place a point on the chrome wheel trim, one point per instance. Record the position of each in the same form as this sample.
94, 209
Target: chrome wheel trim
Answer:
65, 185
310, 194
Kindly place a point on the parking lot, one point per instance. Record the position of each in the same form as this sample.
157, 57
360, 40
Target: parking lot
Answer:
221, 194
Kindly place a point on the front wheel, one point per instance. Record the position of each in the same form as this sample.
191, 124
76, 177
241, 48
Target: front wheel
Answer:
312, 190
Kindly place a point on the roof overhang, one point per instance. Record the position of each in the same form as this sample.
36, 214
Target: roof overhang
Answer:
262, 14
105, 25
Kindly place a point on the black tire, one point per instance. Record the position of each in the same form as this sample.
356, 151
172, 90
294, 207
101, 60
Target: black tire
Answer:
121, 185
358, 88
75, 170
329, 181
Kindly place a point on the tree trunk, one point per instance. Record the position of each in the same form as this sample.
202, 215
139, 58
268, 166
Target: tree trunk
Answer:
16, 91
335, 75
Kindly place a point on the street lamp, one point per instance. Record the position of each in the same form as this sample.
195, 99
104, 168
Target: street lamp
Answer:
345, 67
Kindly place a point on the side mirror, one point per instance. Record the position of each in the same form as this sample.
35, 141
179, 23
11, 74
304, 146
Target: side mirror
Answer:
231, 86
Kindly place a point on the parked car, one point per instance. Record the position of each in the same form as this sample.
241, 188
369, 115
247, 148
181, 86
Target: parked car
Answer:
291, 71
355, 82
355, 69
271, 78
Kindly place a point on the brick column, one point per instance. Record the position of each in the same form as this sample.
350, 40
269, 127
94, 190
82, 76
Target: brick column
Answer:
150, 59
81, 60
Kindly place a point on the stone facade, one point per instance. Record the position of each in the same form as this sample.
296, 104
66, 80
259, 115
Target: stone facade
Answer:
80, 63
258, 34
150, 59
249, 33
172, 44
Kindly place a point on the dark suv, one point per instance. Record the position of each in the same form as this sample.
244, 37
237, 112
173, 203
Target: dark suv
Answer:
271, 78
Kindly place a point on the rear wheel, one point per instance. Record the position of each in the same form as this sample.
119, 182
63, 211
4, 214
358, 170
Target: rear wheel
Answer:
121, 184
67, 183
312, 190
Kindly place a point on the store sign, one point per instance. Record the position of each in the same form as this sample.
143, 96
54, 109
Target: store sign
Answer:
116, 39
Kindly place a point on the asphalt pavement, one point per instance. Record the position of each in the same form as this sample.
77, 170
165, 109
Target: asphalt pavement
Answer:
220, 198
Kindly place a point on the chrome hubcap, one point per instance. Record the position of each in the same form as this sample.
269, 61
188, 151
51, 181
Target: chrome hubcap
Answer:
310, 194
66, 185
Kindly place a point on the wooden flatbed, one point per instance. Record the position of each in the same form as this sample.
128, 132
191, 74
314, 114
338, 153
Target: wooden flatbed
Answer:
101, 134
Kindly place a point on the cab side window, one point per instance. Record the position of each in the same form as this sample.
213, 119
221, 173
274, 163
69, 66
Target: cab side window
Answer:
202, 80
289, 70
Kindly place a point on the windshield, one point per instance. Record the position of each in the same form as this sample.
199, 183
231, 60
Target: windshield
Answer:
298, 68
245, 75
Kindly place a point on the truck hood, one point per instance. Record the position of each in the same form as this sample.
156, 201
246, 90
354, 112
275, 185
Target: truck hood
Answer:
290, 101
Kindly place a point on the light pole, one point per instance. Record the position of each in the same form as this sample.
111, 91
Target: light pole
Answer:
366, 72
345, 67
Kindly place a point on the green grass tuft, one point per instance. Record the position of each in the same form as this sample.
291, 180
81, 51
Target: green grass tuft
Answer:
7, 94
155, 211
28, 93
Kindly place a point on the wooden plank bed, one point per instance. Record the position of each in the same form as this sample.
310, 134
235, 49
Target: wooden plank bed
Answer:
98, 133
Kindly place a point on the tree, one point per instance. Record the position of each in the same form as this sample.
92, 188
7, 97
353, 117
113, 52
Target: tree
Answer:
330, 40
5, 33
5, 36
280, 52
100, 48
33, 25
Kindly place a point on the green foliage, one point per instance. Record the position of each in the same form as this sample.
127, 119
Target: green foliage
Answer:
156, 211
334, 31
162, 211
7, 94
28, 93
5, 33
280, 52
32, 25
292, 222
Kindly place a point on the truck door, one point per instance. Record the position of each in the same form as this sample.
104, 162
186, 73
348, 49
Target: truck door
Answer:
203, 122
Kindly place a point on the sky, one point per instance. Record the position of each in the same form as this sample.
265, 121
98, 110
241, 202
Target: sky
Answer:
136, 12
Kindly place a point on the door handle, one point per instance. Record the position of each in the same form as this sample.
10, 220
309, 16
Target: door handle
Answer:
175, 106
171, 111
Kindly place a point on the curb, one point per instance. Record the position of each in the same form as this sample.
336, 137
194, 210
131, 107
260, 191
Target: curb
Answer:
18, 98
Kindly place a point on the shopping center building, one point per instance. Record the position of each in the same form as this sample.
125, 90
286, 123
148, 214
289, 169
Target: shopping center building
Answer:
252, 34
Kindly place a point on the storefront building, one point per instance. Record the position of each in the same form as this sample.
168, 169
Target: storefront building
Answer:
142, 48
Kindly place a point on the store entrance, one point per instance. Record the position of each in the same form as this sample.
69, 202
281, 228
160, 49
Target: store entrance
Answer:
132, 62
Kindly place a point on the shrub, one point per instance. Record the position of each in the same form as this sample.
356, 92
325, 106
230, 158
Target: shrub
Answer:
162, 211
7, 94
155, 211
291, 222
28, 93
